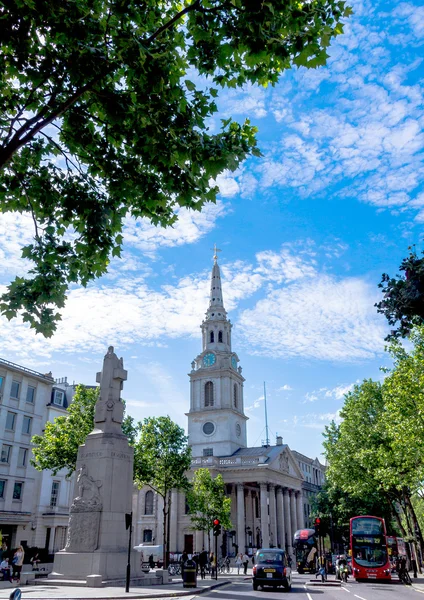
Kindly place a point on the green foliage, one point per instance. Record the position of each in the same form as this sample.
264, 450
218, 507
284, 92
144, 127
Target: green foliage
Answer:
403, 302
57, 448
161, 456
99, 120
207, 501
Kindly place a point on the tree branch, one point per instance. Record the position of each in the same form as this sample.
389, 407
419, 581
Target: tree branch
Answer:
165, 26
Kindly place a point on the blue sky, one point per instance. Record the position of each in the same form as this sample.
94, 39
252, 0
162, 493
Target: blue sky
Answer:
305, 232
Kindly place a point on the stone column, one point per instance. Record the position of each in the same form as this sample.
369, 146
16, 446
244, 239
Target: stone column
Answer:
287, 520
299, 506
281, 534
241, 526
199, 543
173, 523
293, 514
272, 516
264, 516
52, 549
249, 517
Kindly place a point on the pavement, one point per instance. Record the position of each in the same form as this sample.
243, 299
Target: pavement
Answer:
171, 590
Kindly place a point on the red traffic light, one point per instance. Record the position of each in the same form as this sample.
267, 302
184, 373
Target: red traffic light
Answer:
216, 522
317, 521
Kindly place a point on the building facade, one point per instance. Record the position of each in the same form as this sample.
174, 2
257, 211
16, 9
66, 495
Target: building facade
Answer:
265, 484
314, 478
34, 505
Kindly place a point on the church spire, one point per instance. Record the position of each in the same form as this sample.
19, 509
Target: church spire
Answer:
216, 301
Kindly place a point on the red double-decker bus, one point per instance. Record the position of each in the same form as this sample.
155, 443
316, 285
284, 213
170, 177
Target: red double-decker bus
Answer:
368, 545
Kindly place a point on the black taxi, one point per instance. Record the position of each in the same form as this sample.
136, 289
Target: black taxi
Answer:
272, 569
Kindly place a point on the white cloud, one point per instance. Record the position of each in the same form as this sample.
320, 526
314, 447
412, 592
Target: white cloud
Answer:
319, 318
284, 388
189, 228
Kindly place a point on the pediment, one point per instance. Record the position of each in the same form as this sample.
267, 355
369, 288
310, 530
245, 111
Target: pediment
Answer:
286, 463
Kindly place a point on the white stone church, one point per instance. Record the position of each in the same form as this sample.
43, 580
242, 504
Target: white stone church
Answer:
270, 486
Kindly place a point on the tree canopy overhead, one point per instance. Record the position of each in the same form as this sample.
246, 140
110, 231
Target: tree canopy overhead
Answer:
100, 119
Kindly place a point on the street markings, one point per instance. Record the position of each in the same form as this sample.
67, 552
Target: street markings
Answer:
360, 597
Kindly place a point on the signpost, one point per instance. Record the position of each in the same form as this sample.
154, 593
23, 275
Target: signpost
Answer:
128, 525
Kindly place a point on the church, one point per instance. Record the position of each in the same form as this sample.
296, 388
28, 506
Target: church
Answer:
270, 486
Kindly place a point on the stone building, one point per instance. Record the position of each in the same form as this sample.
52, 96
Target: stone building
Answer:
34, 506
266, 483
314, 478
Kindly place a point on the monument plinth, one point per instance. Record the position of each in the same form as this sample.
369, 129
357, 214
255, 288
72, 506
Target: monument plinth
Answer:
97, 541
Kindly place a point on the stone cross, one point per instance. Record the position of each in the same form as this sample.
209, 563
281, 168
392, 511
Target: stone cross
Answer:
109, 408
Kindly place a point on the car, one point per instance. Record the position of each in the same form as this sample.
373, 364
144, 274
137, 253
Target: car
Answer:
272, 569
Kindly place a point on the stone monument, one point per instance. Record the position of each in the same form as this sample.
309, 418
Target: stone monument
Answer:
97, 542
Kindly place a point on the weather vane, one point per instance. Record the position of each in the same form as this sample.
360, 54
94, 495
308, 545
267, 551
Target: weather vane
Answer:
215, 250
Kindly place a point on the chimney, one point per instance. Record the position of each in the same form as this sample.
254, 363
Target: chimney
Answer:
279, 441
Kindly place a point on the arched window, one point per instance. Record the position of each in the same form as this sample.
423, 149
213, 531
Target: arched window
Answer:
209, 393
148, 503
212, 338
220, 337
235, 395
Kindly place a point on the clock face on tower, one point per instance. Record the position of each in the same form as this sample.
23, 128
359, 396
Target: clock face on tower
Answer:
234, 363
209, 359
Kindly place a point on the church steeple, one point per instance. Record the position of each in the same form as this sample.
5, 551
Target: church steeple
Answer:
216, 421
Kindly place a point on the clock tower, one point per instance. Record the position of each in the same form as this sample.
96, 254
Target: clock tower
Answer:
216, 421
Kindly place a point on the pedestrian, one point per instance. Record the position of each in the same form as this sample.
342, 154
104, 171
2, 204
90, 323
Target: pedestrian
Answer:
151, 562
17, 562
203, 561
5, 569
239, 563
245, 562
212, 561
35, 561
3, 551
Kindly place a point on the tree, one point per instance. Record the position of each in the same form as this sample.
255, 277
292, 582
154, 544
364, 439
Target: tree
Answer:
207, 501
57, 448
100, 119
161, 460
403, 302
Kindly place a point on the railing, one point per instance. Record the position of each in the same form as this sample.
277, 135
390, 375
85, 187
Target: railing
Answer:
237, 461
29, 371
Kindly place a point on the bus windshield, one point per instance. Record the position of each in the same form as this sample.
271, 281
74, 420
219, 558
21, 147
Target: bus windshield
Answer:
369, 551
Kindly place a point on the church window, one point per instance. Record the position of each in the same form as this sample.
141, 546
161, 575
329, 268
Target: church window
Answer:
186, 507
220, 337
148, 503
147, 536
212, 337
209, 393
207, 451
235, 395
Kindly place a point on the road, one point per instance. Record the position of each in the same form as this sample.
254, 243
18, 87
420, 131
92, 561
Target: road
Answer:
242, 590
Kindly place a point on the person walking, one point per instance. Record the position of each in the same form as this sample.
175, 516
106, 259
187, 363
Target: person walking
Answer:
17, 562
203, 561
183, 560
245, 562
212, 560
239, 563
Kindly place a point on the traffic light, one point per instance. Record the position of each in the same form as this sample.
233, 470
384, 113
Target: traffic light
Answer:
216, 528
317, 525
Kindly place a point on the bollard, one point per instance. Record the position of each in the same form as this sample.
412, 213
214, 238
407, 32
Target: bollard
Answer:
189, 574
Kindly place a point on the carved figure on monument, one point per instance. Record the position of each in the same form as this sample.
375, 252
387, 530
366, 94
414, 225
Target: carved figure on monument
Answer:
84, 518
109, 408
284, 463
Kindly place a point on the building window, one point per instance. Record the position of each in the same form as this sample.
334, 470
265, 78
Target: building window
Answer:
208, 428
212, 337
17, 490
2, 487
147, 535
256, 507
30, 395
186, 507
148, 503
207, 451
6, 451
26, 425
1, 382
209, 393
235, 396
11, 421
58, 397
14, 390
220, 337
54, 493
22, 457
